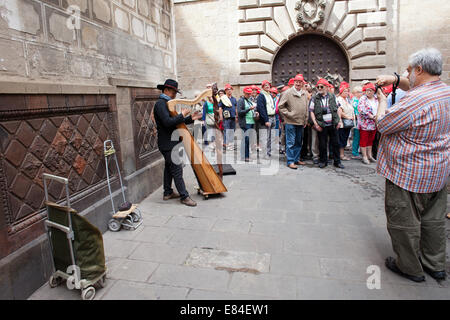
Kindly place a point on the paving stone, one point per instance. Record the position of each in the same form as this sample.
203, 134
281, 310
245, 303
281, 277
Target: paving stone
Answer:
155, 221
160, 253
155, 234
217, 295
264, 284
196, 238
128, 290
297, 265
226, 225
119, 248
132, 270
192, 223
184, 276
251, 243
229, 260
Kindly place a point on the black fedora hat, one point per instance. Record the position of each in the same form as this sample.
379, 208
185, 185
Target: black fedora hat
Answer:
169, 83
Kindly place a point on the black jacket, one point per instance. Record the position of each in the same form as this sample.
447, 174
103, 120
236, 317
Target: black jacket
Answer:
166, 125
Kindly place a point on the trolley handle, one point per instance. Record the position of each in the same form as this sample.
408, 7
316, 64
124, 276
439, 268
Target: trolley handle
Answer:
62, 180
56, 178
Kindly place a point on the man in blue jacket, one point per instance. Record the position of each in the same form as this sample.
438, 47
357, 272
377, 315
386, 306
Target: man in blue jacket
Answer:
166, 125
266, 108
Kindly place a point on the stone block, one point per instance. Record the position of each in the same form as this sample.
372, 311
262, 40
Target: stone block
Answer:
347, 26
248, 28
371, 19
193, 223
296, 265
12, 60
281, 17
382, 6
90, 37
57, 28
22, 16
274, 32
366, 74
156, 15
271, 3
82, 4
382, 47
375, 33
248, 4
354, 38
122, 19
336, 16
132, 270
241, 14
119, 248
225, 225
363, 49
151, 33
249, 41
137, 25
258, 14
259, 55
242, 55
251, 79
143, 7
102, 11
196, 278
356, 6
268, 44
165, 21
255, 68
129, 3
45, 61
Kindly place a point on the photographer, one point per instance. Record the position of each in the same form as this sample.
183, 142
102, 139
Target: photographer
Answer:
414, 157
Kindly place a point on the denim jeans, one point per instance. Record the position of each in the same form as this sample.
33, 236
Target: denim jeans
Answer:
294, 135
247, 133
229, 125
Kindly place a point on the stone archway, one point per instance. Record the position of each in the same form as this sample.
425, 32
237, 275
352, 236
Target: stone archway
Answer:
312, 55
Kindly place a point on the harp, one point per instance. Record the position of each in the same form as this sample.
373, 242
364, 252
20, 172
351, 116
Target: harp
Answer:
209, 181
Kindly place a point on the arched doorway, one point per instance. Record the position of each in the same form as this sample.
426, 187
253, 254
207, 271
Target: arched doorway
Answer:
311, 55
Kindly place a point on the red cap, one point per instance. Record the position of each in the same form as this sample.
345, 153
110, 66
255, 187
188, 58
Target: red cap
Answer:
291, 82
255, 87
274, 90
299, 77
343, 86
369, 85
248, 90
323, 82
228, 86
265, 82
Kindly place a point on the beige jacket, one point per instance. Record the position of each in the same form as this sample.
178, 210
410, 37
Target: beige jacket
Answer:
293, 107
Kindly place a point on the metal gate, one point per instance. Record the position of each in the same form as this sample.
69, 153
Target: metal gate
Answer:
311, 55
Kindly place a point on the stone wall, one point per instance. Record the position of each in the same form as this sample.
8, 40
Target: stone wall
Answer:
376, 36
115, 38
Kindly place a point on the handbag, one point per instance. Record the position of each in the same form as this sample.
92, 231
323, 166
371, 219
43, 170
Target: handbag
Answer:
226, 114
348, 123
210, 119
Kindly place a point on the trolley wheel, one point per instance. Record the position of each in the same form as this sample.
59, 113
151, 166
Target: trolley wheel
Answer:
135, 216
114, 225
54, 281
101, 283
88, 293
206, 197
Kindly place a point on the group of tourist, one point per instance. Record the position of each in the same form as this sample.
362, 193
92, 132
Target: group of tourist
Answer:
312, 121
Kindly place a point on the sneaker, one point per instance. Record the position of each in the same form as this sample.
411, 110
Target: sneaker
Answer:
365, 160
189, 202
173, 195
292, 166
372, 159
391, 265
316, 161
339, 165
322, 165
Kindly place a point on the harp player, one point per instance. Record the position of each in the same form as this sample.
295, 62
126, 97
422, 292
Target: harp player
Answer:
165, 125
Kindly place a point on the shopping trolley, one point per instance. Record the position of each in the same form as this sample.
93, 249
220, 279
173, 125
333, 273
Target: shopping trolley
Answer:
76, 246
129, 217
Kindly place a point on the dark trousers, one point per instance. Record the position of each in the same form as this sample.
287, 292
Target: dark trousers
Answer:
416, 224
331, 133
375, 145
306, 144
174, 172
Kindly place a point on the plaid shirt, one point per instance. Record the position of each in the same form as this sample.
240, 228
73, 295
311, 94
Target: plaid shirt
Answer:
414, 150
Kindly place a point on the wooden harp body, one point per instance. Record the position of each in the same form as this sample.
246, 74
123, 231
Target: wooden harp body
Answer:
209, 182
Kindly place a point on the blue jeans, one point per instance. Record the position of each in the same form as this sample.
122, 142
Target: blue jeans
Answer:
229, 125
247, 140
294, 135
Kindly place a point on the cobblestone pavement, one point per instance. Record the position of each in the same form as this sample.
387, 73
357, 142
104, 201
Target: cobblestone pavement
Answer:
305, 234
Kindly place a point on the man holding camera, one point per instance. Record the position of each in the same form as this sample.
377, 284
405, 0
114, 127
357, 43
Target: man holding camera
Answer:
414, 157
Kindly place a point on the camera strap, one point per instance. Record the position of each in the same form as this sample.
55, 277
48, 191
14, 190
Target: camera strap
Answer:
394, 87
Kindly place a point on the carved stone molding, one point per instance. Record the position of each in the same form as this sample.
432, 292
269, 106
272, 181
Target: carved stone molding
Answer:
311, 13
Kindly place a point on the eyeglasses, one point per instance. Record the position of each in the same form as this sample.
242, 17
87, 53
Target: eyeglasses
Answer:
320, 87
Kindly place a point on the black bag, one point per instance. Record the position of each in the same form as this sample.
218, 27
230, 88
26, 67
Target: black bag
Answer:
348, 123
125, 206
